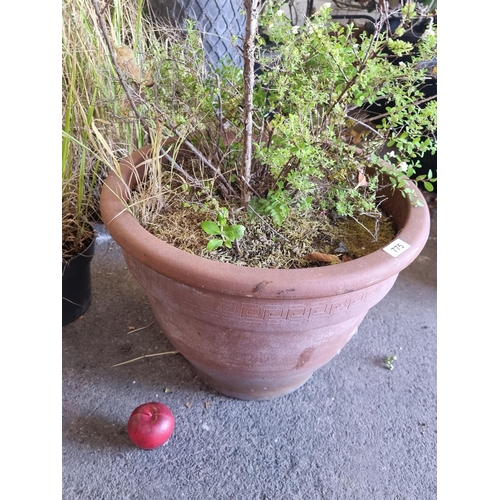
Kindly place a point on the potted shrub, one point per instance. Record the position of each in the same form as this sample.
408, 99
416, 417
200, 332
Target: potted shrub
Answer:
227, 218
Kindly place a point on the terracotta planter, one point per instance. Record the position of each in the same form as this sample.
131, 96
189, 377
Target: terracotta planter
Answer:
256, 333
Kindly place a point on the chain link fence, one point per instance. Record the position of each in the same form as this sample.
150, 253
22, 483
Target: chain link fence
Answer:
219, 20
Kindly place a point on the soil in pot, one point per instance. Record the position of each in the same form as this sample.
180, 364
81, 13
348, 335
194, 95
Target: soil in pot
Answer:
311, 238
304, 240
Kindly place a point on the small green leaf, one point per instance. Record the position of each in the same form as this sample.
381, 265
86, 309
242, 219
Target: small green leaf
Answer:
389, 362
408, 9
222, 216
400, 31
213, 244
428, 186
239, 230
229, 233
210, 227
233, 232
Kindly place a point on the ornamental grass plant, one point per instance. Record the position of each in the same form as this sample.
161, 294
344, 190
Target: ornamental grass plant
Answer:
90, 107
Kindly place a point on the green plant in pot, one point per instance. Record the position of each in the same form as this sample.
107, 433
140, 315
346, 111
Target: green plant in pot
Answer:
238, 218
88, 100
77, 251
77, 182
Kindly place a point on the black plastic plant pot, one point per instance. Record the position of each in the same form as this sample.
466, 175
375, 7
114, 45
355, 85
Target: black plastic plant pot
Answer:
76, 285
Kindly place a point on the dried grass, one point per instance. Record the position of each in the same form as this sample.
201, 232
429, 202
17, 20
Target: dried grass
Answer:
91, 106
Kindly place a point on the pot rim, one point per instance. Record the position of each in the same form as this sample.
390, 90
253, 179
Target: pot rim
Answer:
232, 279
86, 253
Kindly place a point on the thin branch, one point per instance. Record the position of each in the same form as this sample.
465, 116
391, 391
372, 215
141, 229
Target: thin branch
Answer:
364, 123
142, 328
267, 224
145, 356
252, 14
377, 117
374, 236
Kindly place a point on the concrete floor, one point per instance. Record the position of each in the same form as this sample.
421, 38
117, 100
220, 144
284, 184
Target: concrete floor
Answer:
355, 430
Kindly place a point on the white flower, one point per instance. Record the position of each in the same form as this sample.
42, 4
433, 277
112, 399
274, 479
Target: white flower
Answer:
295, 29
403, 166
279, 13
391, 154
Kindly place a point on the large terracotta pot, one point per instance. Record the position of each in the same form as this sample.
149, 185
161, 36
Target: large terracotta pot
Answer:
256, 333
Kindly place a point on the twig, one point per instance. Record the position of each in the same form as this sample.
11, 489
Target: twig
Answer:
145, 356
364, 123
142, 328
416, 103
267, 223
374, 236
106, 5
252, 13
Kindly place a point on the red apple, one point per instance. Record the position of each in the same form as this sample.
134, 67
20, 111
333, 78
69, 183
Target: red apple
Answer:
150, 425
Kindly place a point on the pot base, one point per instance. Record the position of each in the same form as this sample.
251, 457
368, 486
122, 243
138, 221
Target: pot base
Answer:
253, 388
